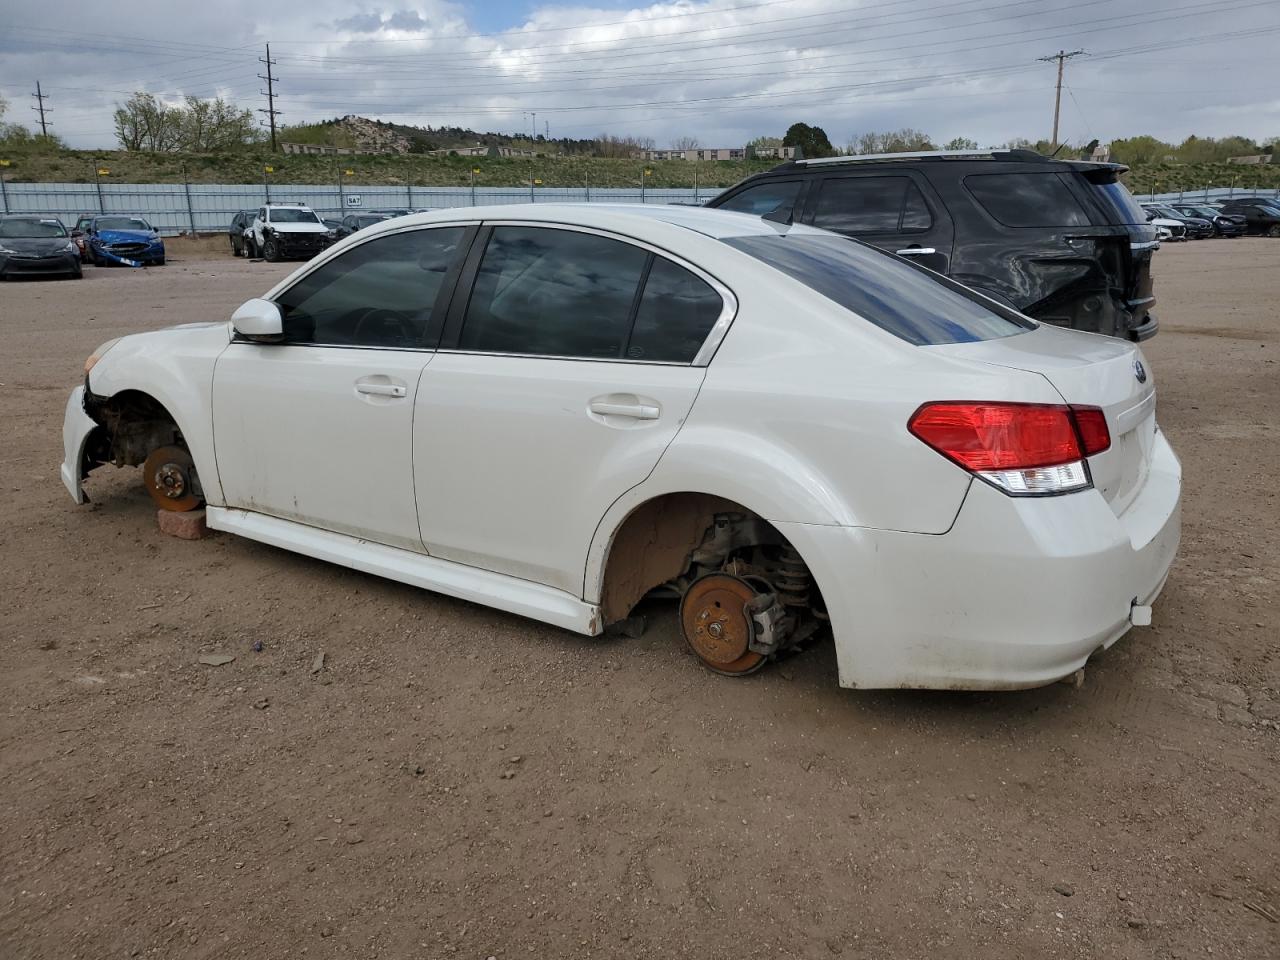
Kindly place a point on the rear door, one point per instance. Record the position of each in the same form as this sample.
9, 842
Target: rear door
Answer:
570, 360
898, 212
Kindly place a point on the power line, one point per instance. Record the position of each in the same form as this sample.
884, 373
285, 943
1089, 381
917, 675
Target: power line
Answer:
270, 109
40, 97
1062, 57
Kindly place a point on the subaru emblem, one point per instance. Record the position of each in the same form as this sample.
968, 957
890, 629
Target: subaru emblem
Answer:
1140, 371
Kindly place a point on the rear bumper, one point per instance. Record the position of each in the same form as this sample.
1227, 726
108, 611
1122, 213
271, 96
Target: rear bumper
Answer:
1019, 593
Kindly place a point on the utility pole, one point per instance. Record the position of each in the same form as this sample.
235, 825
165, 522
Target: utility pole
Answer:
270, 93
40, 97
1062, 57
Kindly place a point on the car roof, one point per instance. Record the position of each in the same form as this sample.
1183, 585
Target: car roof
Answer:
610, 216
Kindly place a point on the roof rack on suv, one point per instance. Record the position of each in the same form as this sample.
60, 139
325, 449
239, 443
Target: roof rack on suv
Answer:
989, 154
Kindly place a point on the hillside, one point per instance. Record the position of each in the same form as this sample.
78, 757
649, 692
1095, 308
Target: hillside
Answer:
378, 137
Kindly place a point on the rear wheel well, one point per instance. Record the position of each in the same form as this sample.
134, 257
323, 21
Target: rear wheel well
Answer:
674, 538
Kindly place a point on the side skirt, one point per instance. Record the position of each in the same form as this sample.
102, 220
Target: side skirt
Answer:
521, 597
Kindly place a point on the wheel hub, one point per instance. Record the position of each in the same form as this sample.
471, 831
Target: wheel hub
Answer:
717, 626
170, 478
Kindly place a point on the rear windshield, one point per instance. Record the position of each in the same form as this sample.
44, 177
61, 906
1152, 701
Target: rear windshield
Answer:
1027, 199
909, 301
1119, 203
14, 229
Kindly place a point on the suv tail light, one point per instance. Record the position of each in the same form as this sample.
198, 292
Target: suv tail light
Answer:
1021, 448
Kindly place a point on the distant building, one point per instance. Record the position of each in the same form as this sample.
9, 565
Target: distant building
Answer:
1256, 158
482, 151
1101, 153
721, 153
316, 149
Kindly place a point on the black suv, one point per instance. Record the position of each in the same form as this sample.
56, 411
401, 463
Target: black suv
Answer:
239, 224
1060, 240
1261, 216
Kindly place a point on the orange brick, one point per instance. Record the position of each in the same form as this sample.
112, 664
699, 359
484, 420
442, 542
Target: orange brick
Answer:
185, 526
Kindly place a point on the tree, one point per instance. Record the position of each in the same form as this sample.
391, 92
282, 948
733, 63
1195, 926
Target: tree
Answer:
196, 126
892, 141
1140, 149
144, 123
685, 143
812, 141
960, 143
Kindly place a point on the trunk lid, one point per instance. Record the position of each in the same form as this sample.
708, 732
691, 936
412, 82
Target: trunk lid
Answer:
1087, 370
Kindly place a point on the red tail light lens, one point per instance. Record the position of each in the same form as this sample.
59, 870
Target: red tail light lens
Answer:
1093, 429
1023, 448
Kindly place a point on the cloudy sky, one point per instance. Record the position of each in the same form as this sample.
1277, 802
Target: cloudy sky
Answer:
723, 71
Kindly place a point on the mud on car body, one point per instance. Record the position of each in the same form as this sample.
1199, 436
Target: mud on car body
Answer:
1062, 241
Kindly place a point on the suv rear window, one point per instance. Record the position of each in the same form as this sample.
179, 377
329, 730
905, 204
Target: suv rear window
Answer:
1119, 203
1027, 199
918, 305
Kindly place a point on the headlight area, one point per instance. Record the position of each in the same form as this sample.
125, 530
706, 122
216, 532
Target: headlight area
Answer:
98, 354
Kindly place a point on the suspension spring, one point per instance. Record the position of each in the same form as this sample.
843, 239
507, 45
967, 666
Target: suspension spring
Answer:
791, 578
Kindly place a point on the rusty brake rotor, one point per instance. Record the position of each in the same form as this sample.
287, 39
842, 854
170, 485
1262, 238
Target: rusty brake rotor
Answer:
169, 474
716, 624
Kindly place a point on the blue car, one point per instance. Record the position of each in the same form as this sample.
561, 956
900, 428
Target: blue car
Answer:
126, 240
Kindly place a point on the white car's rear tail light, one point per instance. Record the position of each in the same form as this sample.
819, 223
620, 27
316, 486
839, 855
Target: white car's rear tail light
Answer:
1024, 449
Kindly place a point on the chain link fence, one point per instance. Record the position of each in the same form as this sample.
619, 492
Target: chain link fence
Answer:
175, 208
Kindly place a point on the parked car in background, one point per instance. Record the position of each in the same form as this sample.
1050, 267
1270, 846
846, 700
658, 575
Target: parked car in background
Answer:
1172, 230
282, 231
1060, 240
789, 431
1197, 228
122, 239
354, 222
1261, 219
78, 235
1224, 224
235, 232
395, 212
33, 246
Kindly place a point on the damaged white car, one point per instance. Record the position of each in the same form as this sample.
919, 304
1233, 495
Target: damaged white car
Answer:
558, 410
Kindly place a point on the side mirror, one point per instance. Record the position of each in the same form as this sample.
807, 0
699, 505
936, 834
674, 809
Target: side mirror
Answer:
1150, 216
258, 318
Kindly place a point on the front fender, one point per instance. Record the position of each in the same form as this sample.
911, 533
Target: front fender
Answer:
175, 367
77, 427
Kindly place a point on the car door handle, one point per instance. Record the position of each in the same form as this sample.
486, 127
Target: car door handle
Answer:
915, 251
637, 411
376, 389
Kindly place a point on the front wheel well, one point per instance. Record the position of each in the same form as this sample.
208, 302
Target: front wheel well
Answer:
133, 424
676, 537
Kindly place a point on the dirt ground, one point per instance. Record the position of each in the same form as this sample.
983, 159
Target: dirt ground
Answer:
457, 782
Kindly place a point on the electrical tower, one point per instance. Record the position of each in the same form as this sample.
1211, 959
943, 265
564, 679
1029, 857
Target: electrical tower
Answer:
270, 93
40, 97
1062, 57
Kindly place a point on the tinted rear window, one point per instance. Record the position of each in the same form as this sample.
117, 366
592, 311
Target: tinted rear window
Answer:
1119, 203
1027, 199
910, 302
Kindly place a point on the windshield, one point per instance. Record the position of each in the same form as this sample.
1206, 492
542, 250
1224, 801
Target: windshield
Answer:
369, 221
12, 229
293, 216
918, 305
121, 223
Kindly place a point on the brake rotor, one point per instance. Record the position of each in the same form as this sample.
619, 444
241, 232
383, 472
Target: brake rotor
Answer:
169, 473
716, 626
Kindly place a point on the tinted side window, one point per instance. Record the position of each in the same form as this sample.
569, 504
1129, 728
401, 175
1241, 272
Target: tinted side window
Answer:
379, 294
677, 311
871, 205
918, 305
764, 198
1027, 199
552, 292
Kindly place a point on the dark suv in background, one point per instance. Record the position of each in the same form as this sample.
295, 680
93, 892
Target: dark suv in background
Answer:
1261, 215
1060, 240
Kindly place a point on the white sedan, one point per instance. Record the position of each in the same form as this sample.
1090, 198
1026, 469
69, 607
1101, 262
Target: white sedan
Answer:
557, 410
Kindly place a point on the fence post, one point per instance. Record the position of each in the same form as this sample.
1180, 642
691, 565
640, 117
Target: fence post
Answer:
97, 182
408, 193
342, 197
4, 191
587, 183
473, 186
186, 186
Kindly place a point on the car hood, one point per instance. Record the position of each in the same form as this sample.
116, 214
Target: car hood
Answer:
1166, 222
127, 236
299, 228
36, 246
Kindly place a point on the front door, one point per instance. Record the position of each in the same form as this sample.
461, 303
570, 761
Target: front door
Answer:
317, 429
892, 211
561, 379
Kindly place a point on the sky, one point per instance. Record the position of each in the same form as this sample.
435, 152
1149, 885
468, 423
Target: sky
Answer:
722, 71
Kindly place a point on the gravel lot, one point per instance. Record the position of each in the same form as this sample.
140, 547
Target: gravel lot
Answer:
457, 782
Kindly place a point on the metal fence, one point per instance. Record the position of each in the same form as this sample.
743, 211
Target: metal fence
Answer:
208, 208
1206, 193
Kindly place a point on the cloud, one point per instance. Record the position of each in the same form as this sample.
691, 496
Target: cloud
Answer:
721, 70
